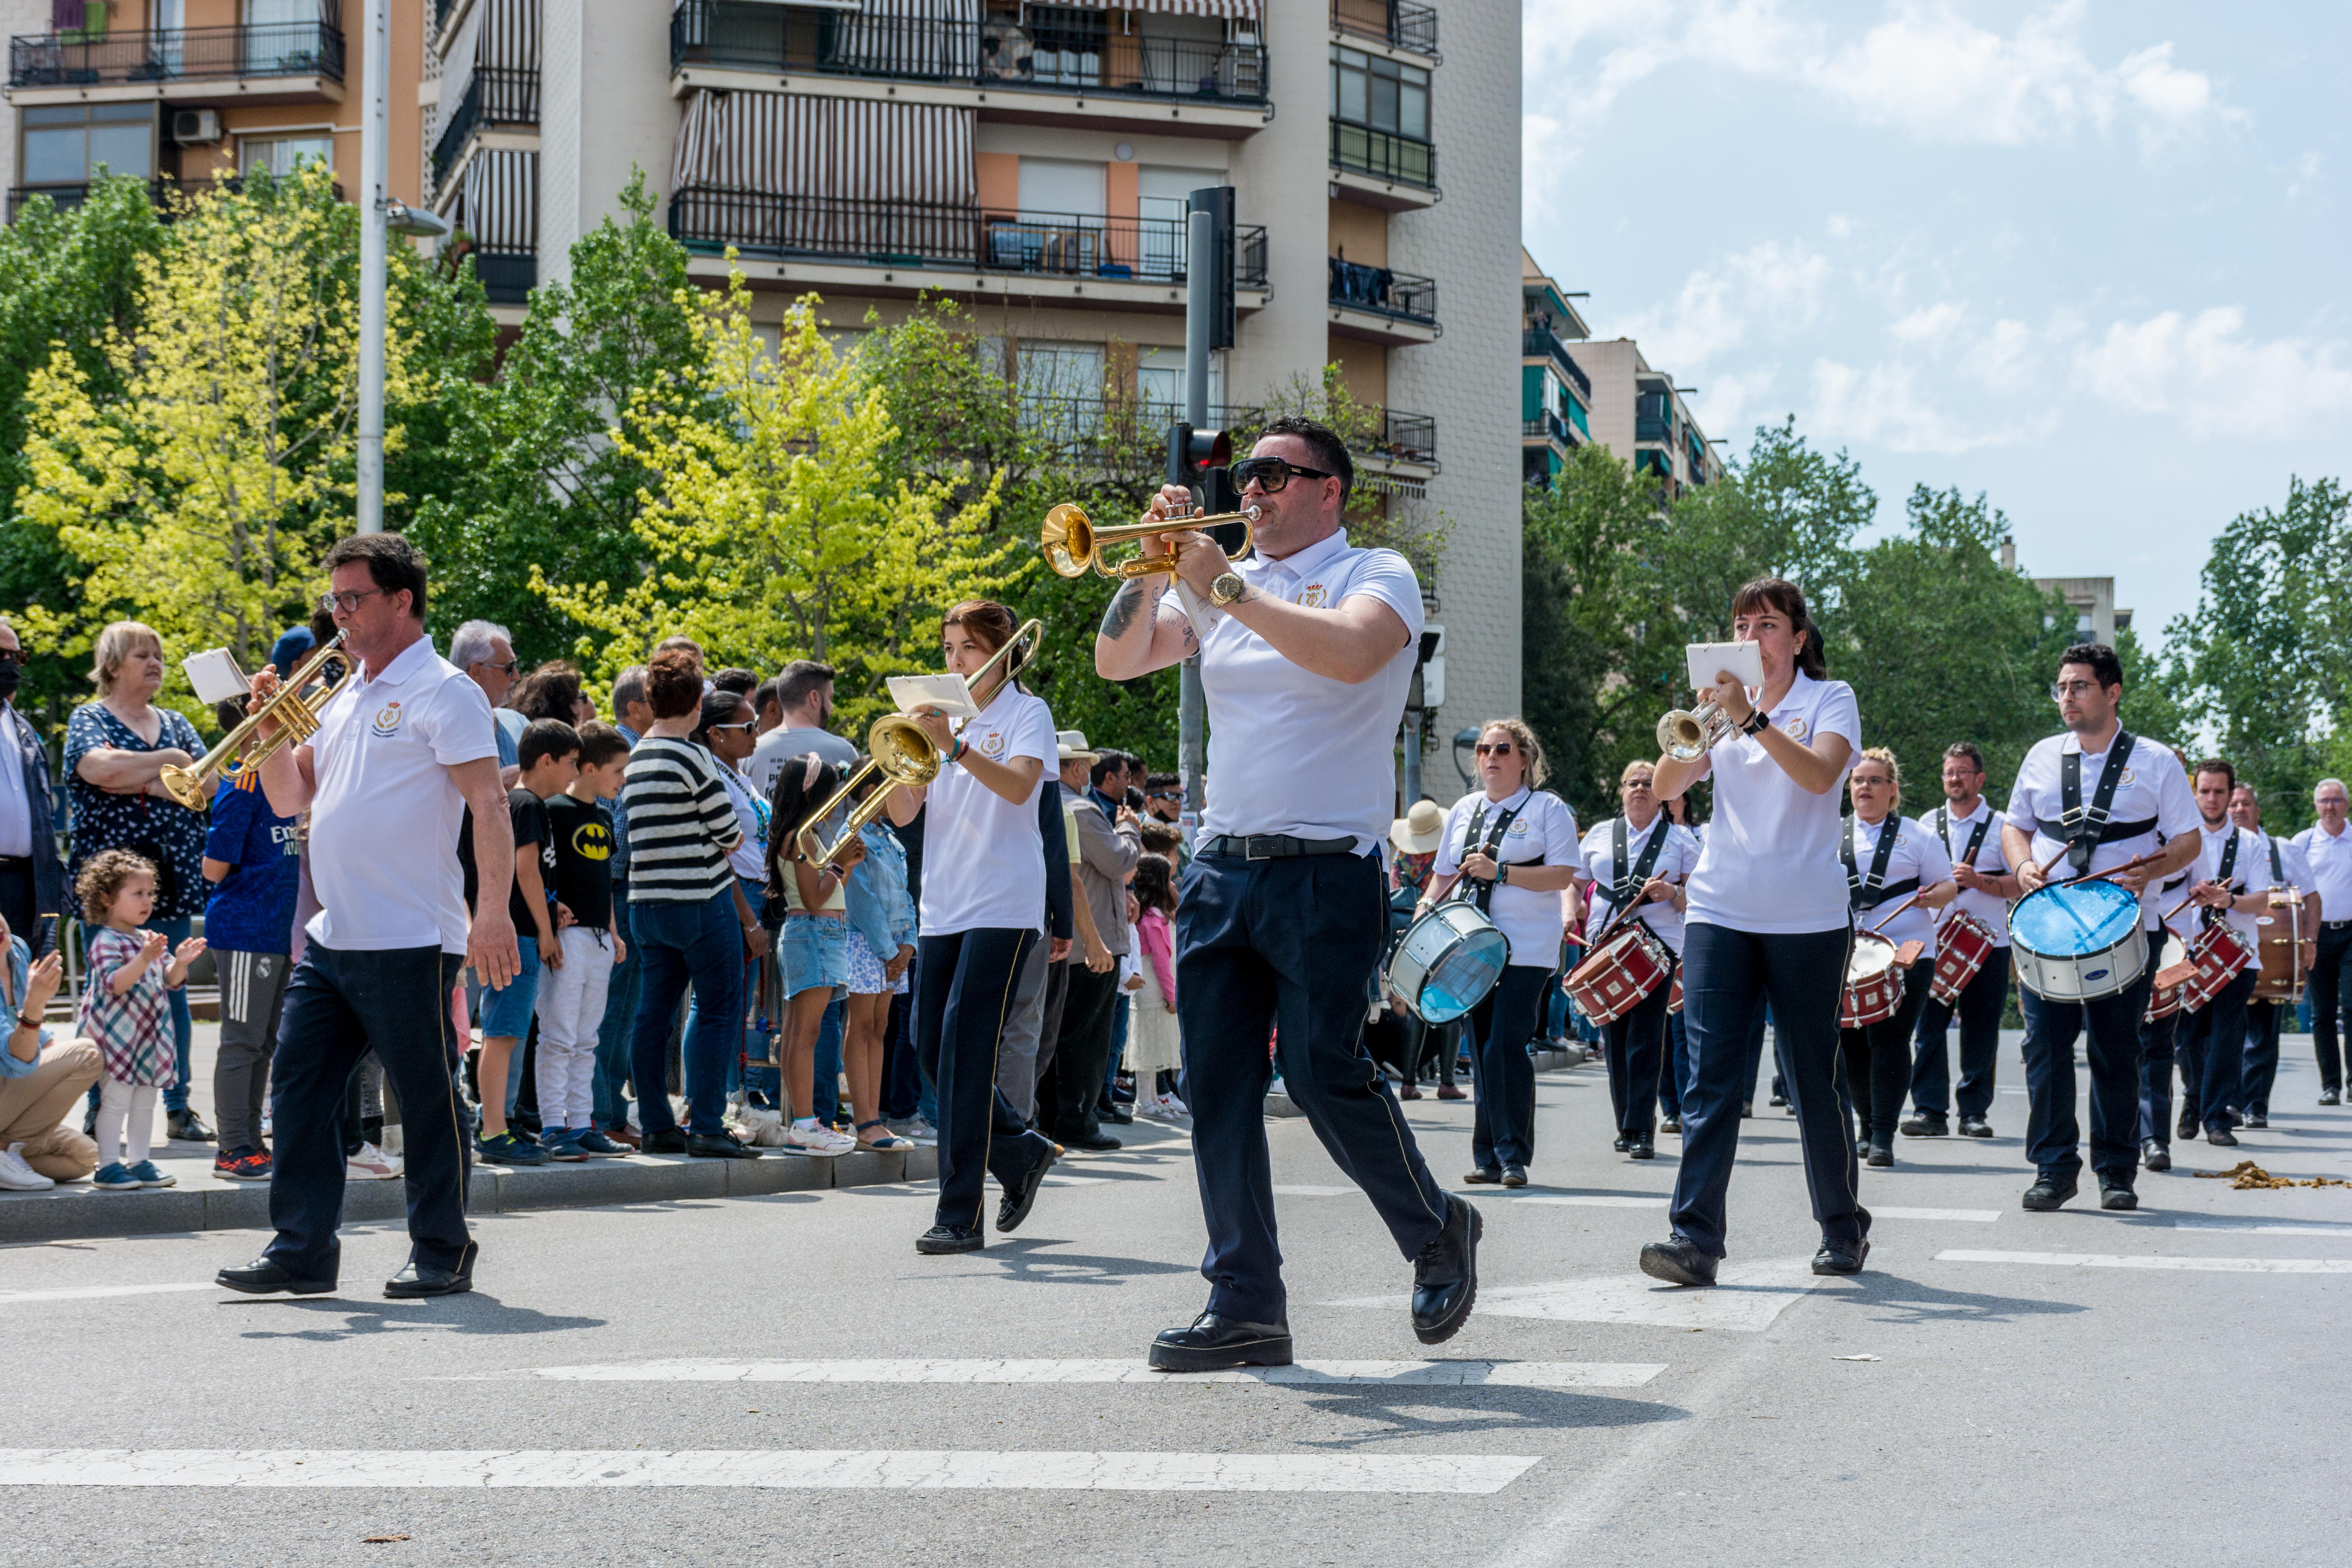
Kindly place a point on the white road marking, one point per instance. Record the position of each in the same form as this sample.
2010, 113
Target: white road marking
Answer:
814, 1468
2194, 1265
1078, 1181
1305, 1191
1597, 1200
1746, 1297
1972, 1217
2261, 1227
1312, 1374
92, 1292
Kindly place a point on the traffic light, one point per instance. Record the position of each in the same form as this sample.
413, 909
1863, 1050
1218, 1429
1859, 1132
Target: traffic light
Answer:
1198, 460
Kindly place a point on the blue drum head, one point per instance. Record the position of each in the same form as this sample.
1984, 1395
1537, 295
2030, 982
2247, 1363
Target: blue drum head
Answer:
2074, 919
1460, 980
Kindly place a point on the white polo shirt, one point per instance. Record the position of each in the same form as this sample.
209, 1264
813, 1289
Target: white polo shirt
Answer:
2153, 786
1917, 853
1677, 858
2249, 872
1292, 751
1954, 836
383, 821
1770, 862
1543, 833
984, 855
2329, 861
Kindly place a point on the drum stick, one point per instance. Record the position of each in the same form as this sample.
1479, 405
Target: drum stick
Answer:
1898, 909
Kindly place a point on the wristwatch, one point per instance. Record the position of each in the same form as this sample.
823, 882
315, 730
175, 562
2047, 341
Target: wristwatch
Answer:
1757, 722
1225, 589
1502, 872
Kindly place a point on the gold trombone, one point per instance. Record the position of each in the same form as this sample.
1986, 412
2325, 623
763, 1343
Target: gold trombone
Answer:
1073, 544
295, 711
902, 751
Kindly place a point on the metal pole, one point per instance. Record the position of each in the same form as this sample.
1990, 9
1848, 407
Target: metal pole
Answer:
376, 138
1413, 721
1200, 307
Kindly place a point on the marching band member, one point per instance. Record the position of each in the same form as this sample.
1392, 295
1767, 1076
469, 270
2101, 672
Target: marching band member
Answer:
1516, 845
1640, 858
1970, 830
2286, 872
2097, 795
1768, 917
983, 905
2328, 852
1904, 863
2227, 890
1282, 920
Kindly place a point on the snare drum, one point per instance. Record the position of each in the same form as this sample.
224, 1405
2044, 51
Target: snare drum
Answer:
1961, 949
1873, 986
2163, 1000
2077, 941
2216, 955
1613, 981
1447, 962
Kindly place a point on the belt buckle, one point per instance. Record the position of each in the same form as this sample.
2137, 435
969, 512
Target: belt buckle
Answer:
1250, 843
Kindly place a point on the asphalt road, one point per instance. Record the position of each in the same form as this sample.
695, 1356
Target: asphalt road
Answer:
783, 1379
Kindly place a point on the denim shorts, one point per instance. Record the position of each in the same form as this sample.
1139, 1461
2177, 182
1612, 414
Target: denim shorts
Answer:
813, 951
507, 1014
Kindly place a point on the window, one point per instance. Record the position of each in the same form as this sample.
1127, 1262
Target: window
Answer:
1379, 93
1160, 381
66, 145
280, 154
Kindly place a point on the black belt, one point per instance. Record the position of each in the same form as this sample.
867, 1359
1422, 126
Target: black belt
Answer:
1270, 846
2324, 925
16, 862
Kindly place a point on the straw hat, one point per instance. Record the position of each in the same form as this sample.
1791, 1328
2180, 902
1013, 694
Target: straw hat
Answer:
1072, 745
1418, 830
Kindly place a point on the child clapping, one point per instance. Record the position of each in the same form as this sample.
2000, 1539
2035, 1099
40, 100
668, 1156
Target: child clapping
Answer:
125, 1010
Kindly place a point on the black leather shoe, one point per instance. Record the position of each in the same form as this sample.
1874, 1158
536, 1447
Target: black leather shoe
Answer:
2330, 1097
416, 1278
1515, 1175
1622, 1143
1214, 1343
1841, 1257
1924, 1126
1670, 1124
719, 1146
1975, 1127
1118, 1114
2046, 1195
2221, 1138
1100, 1143
2155, 1155
1879, 1154
2114, 1195
2258, 1119
1778, 1099
1746, 1108
187, 1127
951, 1239
668, 1141
1678, 1262
1021, 1194
263, 1278
1446, 1275
2188, 1127
1483, 1176
1645, 1147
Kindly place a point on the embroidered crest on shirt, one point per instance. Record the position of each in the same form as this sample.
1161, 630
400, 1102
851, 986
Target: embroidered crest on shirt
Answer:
991, 745
1796, 729
1519, 828
1312, 596
2129, 775
387, 719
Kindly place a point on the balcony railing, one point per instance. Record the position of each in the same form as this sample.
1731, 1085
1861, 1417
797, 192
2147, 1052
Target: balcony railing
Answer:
742, 34
176, 54
1651, 427
1383, 155
498, 95
1542, 342
1407, 438
1399, 295
923, 234
508, 276
160, 189
1398, 23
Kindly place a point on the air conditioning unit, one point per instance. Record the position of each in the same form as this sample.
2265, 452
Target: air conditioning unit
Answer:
194, 127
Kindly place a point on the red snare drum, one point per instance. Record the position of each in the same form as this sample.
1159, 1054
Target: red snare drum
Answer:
1873, 986
1675, 997
1961, 949
2218, 953
1612, 982
2163, 1000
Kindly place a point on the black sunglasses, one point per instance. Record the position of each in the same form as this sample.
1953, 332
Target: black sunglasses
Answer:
1271, 473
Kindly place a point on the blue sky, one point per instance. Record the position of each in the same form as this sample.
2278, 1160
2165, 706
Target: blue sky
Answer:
2092, 260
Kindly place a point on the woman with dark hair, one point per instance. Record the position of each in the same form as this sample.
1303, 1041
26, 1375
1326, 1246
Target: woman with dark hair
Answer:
1767, 916
553, 691
983, 900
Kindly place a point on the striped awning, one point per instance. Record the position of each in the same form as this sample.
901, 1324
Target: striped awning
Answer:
496, 33
784, 144
499, 204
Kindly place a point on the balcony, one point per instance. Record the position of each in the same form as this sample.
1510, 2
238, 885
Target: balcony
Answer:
1398, 23
1548, 426
1380, 168
1653, 428
499, 96
1376, 305
274, 62
999, 67
1070, 258
1542, 342
160, 190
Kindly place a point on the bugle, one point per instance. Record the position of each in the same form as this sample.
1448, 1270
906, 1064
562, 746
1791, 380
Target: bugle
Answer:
1074, 545
294, 710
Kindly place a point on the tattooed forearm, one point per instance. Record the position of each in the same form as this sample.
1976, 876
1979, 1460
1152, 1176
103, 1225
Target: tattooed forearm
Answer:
1125, 605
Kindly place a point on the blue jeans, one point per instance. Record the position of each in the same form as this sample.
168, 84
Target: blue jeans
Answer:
176, 1096
679, 943
611, 1106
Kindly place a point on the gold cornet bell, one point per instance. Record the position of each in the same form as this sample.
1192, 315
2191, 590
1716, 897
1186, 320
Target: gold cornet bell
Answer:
296, 712
1073, 544
1687, 734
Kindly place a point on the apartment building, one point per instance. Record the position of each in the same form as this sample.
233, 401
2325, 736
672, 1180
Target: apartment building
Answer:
1599, 391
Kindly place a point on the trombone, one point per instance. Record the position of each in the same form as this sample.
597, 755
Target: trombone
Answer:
295, 711
1073, 544
902, 752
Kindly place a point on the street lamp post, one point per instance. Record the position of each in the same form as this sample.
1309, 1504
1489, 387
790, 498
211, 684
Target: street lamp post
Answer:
380, 217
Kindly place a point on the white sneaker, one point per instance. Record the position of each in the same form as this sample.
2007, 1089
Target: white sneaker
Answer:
371, 1164
16, 1176
1173, 1105
822, 1140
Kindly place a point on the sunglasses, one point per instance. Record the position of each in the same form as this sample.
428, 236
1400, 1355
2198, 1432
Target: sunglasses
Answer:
745, 725
1499, 749
1270, 474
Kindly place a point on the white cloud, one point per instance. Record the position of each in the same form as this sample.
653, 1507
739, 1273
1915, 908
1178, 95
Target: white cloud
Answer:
1768, 291
1930, 324
2306, 174
2206, 371
1889, 405
2004, 359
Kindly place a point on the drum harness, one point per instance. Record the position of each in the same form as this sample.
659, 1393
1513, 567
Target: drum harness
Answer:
1627, 884
1976, 839
1869, 892
1483, 894
2083, 830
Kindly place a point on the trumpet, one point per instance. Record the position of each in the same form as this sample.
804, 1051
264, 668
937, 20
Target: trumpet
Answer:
1073, 544
903, 752
293, 709
1686, 734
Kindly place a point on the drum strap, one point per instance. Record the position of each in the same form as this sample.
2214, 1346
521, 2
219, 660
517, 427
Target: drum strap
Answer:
2278, 871
1869, 892
1976, 839
2229, 866
2083, 830
1483, 893
1625, 885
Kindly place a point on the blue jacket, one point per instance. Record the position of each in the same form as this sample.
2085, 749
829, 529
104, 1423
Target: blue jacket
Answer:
20, 973
879, 909
19, 739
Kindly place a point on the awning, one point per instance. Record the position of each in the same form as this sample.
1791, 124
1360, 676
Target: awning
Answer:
496, 33
785, 144
498, 207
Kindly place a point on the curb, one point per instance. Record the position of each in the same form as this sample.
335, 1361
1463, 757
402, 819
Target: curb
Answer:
76, 1212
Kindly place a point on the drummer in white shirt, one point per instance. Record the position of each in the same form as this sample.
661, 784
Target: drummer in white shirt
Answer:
2150, 812
2212, 1041
1966, 819
1515, 843
2327, 847
1649, 865
2279, 868
1912, 878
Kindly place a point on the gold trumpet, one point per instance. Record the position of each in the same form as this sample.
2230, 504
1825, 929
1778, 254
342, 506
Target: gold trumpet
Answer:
903, 752
296, 712
1073, 544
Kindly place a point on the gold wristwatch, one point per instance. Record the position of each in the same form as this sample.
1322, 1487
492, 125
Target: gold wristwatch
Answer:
1225, 589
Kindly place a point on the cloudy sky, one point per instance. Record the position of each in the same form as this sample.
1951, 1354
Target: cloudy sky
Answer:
2090, 259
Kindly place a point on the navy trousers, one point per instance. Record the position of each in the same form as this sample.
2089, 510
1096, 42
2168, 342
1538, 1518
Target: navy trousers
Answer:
1877, 1060
1503, 1126
967, 979
2331, 989
1981, 999
1634, 1048
1725, 973
2213, 1055
2155, 1051
2052, 1135
1677, 1067
1287, 945
339, 1006
2261, 1071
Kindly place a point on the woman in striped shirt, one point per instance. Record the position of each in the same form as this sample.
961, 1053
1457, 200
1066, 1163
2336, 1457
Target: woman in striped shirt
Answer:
683, 915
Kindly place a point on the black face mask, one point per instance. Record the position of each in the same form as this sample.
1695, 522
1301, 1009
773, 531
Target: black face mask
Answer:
11, 676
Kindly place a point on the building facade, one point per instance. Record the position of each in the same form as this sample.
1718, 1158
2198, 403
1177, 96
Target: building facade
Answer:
1574, 390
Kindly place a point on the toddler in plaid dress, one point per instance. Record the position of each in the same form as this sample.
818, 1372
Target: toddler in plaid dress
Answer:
126, 1010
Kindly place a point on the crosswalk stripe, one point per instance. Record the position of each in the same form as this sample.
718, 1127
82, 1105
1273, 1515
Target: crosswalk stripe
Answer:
1311, 1373
1298, 1190
1596, 1200
2261, 1227
1746, 1297
2160, 1261
93, 1292
884, 1469
1970, 1217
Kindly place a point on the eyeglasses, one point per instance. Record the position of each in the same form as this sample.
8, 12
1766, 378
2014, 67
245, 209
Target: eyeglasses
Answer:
1271, 474
1499, 749
1165, 794
1639, 783
2062, 689
347, 603
745, 725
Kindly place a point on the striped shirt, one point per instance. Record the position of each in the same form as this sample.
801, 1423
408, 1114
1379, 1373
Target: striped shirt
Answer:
681, 823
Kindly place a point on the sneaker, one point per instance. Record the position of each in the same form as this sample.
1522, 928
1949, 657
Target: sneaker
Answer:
225, 1163
1173, 1105
593, 1141
149, 1176
115, 1178
254, 1165
505, 1148
370, 1165
16, 1176
917, 1131
819, 1141
561, 1145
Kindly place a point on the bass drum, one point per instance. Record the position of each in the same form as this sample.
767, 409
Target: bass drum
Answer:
2076, 941
1447, 962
